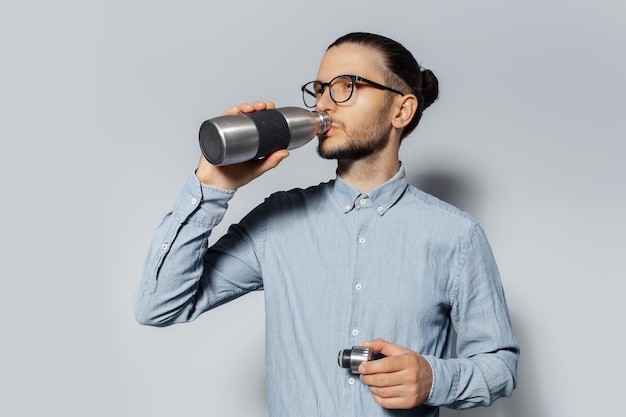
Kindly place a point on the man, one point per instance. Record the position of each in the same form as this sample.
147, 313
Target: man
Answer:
365, 259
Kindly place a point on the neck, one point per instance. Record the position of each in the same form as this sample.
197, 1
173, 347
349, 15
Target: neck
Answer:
368, 173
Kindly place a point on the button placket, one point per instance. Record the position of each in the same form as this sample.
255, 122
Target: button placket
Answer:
362, 220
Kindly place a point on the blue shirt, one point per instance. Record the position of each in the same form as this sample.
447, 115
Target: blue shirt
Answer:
338, 268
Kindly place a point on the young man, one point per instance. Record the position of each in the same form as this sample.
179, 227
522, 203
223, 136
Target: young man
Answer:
365, 259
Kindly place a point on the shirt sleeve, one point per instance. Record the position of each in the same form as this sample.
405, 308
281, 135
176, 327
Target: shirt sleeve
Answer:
485, 367
182, 276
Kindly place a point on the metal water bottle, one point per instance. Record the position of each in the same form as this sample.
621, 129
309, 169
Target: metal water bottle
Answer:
230, 139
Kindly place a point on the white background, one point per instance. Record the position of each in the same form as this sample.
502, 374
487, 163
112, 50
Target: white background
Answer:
101, 102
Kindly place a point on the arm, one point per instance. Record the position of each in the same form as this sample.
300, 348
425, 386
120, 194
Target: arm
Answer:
182, 277
487, 352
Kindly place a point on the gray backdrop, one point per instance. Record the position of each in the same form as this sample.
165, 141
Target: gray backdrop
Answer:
101, 104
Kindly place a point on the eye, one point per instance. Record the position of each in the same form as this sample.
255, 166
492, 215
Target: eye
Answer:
343, 84
346, 85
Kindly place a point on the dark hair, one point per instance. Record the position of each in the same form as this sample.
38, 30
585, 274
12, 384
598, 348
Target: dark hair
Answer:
403, 69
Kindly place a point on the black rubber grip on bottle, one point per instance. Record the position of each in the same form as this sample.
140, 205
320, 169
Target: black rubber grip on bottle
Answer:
273, 131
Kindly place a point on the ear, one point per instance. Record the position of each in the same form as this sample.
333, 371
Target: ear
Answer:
404, 109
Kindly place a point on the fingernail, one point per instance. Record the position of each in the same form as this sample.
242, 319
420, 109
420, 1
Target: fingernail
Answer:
361, 368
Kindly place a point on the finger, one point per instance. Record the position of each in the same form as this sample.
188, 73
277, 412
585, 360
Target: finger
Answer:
263, 105
247, 108
403, 396
394, 402
259, 105
392, 365
242, 108
384, 365
381, 378
388, 392
377, 345
233, 110
385, 347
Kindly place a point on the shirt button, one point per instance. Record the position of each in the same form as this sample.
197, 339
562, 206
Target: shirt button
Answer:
363, 201
379, 209
351, 381
347, 207
361, 240
164, 245
194, 200
358, 287
355, 332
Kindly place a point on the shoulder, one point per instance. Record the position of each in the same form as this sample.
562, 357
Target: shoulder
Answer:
431, 215
297, 196
428, 202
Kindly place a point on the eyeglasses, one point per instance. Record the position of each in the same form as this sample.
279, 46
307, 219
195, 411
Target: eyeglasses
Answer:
341, 88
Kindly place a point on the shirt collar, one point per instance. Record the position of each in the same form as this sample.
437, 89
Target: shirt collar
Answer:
382, 197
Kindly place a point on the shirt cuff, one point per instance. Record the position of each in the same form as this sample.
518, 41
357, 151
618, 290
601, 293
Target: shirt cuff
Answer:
201, 203
444, 384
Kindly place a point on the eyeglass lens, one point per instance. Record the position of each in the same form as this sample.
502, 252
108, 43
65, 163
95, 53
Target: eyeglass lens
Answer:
341, 89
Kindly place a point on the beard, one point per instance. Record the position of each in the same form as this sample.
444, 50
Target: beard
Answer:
360, 142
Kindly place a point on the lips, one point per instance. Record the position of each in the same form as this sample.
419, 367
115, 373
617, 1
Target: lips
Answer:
327, 132
333, 126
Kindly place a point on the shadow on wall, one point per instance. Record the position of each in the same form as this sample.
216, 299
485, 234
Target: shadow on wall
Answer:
456, 188
526, 400
463, 191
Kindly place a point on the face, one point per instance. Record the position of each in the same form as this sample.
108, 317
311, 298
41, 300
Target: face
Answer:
361, 125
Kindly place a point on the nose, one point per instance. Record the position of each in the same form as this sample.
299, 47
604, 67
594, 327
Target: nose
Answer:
324, 102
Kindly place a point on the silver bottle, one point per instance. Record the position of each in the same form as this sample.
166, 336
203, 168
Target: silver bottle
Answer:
353, 358
230, 139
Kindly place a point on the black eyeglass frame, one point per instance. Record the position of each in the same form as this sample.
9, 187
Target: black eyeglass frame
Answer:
354, 79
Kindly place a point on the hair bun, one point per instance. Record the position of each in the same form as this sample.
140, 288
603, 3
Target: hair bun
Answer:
430, 87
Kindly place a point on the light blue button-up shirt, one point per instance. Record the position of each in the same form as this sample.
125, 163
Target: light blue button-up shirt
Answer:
339, 268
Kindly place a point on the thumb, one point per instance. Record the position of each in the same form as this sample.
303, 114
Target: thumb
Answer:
270, 162
386, 348
275, 158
